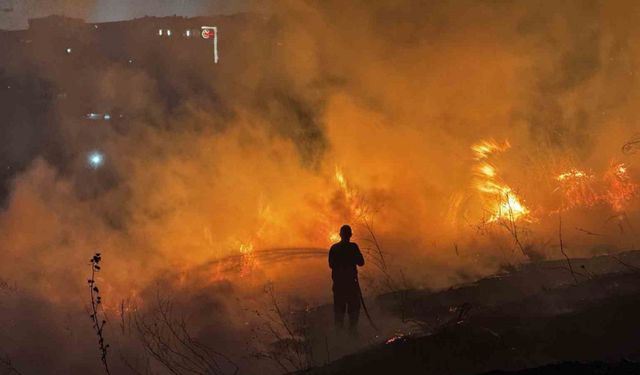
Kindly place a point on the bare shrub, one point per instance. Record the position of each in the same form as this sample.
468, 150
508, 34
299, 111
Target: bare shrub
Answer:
166, 338
7, 367
285, 335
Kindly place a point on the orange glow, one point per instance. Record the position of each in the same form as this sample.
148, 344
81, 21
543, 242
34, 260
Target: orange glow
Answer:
578, 189
342, 181
581, 190
334, 237
484, 149
248, 261
621, 190
353, 208
499, 198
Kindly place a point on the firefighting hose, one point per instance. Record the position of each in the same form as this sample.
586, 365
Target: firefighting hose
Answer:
364, 306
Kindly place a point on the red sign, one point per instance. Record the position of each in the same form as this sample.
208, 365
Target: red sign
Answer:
208, 33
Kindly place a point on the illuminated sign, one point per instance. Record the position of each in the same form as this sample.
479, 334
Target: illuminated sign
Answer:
211, 32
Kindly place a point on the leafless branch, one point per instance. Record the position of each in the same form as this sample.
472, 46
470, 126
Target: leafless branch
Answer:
167, 340
590, 233
135, 368
96, 301
286, 332
511, 226
7, 365
573, 274
629, 266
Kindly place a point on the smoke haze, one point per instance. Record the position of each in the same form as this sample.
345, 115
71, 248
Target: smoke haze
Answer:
319, 114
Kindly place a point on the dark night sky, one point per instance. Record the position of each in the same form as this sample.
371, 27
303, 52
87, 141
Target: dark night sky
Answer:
14, 14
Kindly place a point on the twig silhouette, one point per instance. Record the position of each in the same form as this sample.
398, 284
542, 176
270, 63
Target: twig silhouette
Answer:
7, 365
96, 301
629, 266
167, 339
287, 330
511, 226
590, 233
573, 274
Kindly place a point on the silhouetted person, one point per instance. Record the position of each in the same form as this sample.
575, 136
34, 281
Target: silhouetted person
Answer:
344, 256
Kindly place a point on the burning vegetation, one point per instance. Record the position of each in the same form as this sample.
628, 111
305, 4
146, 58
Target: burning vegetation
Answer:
500, 200
582, 190
579, 189
210, 180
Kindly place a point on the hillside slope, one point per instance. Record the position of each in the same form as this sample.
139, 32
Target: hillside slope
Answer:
507, 326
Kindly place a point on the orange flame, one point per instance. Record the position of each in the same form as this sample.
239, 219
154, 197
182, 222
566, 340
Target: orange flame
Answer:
578, 188
502, 202
354, 206
248, 260
342, 182
621, 189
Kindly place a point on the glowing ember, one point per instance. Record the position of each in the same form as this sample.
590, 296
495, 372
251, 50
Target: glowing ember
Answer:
621, 189
484, 149
248, 260
578, 189
502, 202
572, 174
334, 237
342, 182
488, 170
246, 248
395, 338
351, 204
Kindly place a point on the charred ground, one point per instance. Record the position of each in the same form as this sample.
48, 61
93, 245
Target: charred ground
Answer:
533, 317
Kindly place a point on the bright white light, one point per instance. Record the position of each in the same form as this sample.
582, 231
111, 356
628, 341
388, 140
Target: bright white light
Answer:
168, 32
107, 116
68, 50
160, 32
95, 159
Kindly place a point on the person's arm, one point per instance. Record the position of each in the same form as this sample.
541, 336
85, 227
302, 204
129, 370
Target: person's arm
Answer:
359, 258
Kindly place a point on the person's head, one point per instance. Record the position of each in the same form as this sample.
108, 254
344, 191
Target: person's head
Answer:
345, 233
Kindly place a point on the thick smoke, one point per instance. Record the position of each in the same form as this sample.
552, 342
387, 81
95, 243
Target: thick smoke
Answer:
318, 113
